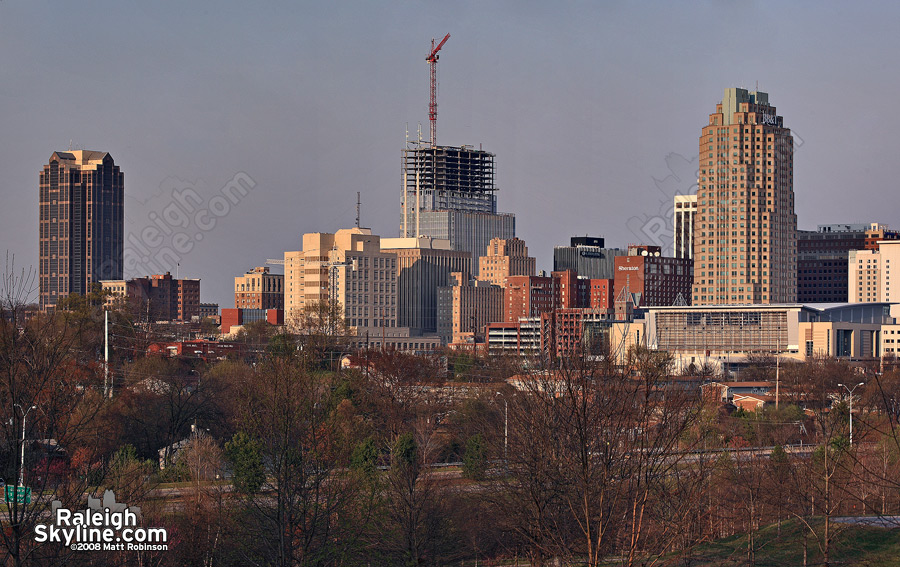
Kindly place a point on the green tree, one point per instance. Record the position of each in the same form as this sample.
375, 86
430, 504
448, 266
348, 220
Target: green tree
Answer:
365, 458
475, 458
245, 457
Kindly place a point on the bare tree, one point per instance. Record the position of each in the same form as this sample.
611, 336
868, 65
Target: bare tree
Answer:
51, 397
300, 516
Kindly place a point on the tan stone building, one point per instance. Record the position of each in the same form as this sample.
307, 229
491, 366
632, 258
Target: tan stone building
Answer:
467, 307
684, 211
745, 242
259, 289
869, 273
348, 266
505, 257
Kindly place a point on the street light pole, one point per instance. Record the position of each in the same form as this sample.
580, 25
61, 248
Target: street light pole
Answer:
777, 381
850, 391
505, 427
22, 458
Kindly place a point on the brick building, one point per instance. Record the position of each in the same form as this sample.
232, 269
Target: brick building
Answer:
653, 279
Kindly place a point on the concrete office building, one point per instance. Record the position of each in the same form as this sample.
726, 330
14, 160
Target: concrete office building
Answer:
587, 257
745, 241
467, 231
504, 258
350, 268
208, 310
259, 289
822, 257
423, 266
81, 226
683, 226
727, 335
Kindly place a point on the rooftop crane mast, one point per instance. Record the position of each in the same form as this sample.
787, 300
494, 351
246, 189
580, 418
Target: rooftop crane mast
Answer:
432, 60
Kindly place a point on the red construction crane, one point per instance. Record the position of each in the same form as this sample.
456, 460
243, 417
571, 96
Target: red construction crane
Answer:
432, 60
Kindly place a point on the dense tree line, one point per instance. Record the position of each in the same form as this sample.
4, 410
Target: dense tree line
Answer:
286, 459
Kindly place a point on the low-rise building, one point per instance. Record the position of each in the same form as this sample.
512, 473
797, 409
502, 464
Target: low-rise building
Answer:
233, 319
259, 289
159, 297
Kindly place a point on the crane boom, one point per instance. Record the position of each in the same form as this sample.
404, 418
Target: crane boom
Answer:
432, 60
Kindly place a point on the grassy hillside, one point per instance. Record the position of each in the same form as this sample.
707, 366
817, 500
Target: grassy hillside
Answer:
851, 545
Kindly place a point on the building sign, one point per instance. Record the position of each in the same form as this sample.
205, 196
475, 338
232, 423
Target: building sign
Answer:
769, 119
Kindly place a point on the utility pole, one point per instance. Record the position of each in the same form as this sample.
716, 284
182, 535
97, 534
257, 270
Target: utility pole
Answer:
107, 390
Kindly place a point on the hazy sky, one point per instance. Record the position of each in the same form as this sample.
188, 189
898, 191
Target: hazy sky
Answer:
593, 110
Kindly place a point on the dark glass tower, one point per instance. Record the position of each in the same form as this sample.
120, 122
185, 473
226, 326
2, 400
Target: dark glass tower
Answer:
82, 229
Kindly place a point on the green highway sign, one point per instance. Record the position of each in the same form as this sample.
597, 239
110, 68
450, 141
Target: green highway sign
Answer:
20, 494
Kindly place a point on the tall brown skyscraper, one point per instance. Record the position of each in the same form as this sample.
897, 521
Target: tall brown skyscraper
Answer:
82, 230
745, 230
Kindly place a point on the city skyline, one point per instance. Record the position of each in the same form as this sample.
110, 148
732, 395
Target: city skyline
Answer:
275, 99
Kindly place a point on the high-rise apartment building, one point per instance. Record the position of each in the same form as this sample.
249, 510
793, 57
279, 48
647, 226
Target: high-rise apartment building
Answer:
745, 229
82, 227
683, 225
587, 257
504, 258
348, 267
449, 194
259, 289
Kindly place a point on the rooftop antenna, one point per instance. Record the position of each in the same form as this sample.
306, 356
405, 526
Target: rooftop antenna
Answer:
357, 209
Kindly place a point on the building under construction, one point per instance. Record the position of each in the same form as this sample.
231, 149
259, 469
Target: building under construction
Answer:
449, 193
446, 178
